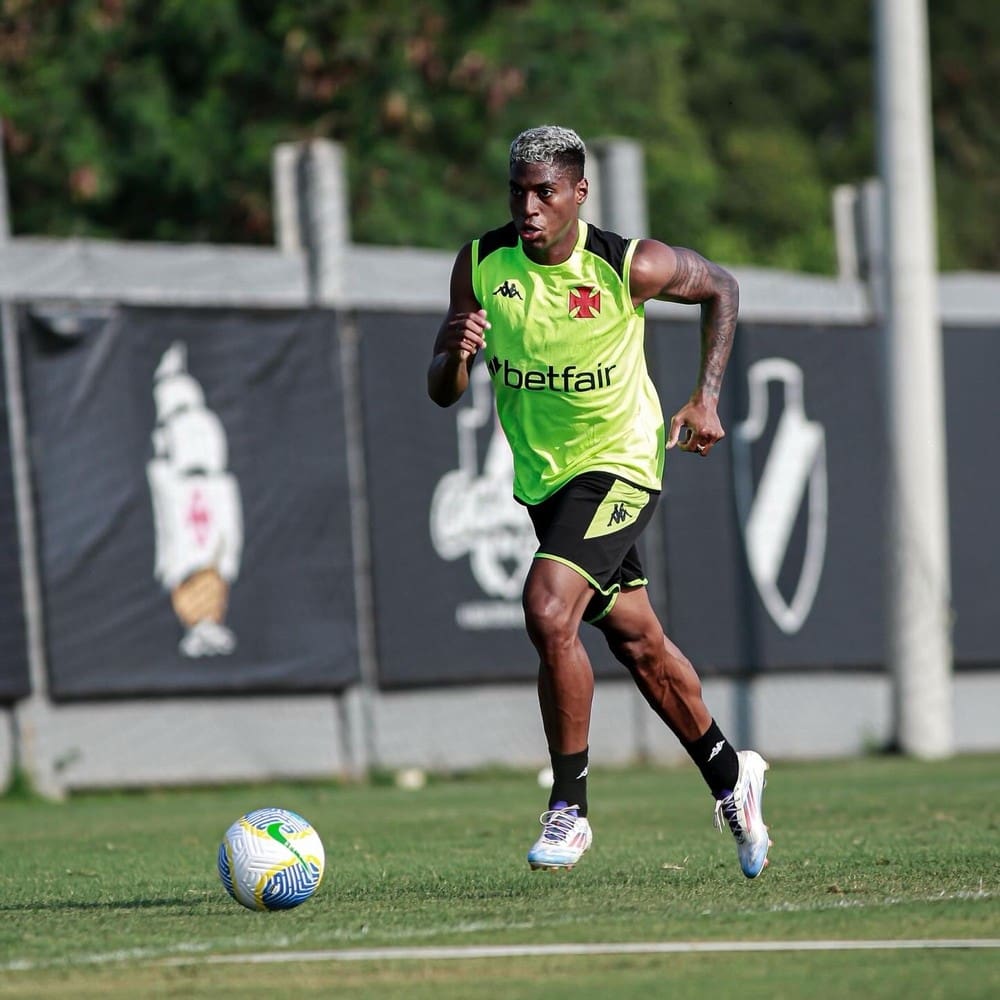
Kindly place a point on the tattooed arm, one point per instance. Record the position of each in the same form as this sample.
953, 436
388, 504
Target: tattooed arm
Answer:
676, 274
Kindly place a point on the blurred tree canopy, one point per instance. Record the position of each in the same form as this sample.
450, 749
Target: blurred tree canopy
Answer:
156, 119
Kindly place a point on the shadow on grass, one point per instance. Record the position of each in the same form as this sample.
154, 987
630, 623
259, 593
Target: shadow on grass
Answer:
82, 906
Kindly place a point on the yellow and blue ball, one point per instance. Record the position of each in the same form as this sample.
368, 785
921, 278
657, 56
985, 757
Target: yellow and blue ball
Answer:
271, 859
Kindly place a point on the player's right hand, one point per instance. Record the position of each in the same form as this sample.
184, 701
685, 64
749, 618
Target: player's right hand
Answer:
465, 334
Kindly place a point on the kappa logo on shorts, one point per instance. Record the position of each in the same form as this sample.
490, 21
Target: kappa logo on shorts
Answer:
620, 507
619, 514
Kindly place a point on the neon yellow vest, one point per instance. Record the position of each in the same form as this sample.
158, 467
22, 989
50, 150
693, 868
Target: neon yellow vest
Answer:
565, 353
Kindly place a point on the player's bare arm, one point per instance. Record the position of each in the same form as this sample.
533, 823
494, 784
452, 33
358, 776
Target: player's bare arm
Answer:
461, 336
676, 274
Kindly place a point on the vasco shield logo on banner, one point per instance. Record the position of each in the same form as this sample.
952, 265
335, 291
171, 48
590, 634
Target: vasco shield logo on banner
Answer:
473, 512
197, 512
792, 480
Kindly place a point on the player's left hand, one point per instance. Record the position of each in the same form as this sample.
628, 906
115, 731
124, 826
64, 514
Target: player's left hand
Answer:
700, 420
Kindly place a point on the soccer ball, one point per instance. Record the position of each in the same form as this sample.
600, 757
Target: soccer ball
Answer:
271, 859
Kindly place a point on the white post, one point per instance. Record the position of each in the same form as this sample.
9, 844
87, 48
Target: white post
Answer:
918, 589
32, 715
312, 217
619, 201
309, 182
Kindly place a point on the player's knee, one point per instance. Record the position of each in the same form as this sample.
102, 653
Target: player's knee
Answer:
549, 619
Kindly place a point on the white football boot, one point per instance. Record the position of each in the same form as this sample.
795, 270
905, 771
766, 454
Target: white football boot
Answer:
742, 811
565, 836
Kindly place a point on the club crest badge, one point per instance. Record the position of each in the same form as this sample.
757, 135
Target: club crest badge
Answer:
584, 302
780, 474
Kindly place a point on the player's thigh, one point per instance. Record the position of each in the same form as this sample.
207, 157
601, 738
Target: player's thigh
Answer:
555, 595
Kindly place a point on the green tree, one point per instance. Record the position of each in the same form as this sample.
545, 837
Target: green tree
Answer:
141, 119
965, 61
157, 118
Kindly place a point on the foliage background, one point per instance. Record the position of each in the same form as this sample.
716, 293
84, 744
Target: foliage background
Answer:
155, 119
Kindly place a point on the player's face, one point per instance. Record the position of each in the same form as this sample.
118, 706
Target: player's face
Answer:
544, 204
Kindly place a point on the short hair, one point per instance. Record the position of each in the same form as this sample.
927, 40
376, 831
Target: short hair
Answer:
561, 147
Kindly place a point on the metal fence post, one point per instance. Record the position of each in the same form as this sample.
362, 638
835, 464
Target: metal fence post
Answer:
32, 715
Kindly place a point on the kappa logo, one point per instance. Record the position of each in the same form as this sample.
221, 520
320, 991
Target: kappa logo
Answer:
619, 514
793, 479
716, 750
509, 290
584, 302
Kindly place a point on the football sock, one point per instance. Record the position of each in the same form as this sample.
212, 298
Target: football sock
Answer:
716, 759
569, 779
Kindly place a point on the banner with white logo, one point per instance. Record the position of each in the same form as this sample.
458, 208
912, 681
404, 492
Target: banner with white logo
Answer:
793, 476
194, 517
14, 682
450, 545
774, 543
193, 503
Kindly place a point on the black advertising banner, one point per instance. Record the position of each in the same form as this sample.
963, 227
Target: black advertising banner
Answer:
775, 543
193, 502
450, 545
774, 549
972, 362
14, 680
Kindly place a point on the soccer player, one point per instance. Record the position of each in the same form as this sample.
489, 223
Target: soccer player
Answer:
556, 308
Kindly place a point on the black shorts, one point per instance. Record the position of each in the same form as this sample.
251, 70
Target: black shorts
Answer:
591, 525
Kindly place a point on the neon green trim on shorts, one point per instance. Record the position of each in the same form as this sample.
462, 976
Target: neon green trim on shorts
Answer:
607, 611
576, 569
611, 592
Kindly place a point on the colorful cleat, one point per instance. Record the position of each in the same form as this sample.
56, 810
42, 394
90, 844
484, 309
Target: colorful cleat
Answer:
741, 809
565, 836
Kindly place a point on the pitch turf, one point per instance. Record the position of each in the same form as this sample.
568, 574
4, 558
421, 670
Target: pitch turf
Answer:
117, 894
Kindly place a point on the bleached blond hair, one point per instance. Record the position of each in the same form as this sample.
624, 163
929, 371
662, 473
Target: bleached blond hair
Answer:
553, 144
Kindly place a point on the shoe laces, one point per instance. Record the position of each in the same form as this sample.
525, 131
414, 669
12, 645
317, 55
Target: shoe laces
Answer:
728, 809
558, 823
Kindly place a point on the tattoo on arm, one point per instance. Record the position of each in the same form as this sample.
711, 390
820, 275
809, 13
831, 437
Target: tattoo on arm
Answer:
696, 279
691, 277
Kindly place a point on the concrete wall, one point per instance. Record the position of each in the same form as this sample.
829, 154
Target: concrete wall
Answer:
211, 741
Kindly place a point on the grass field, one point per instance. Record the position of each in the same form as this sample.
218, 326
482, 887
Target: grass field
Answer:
117, 895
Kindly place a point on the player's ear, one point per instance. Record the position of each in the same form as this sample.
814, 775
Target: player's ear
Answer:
582, 190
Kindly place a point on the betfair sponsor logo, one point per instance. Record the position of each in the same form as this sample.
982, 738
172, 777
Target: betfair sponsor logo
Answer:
566, 379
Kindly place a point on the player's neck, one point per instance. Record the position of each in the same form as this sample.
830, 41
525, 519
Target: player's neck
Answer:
559, 252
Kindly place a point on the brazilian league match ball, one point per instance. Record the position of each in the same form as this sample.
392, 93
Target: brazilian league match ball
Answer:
271, 859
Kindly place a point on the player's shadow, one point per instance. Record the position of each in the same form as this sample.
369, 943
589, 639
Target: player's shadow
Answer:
70, 905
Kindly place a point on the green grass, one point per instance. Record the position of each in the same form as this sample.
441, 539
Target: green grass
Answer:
98, 892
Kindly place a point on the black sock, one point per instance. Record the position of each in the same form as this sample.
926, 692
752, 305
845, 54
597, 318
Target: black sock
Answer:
716, 759
569, 779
